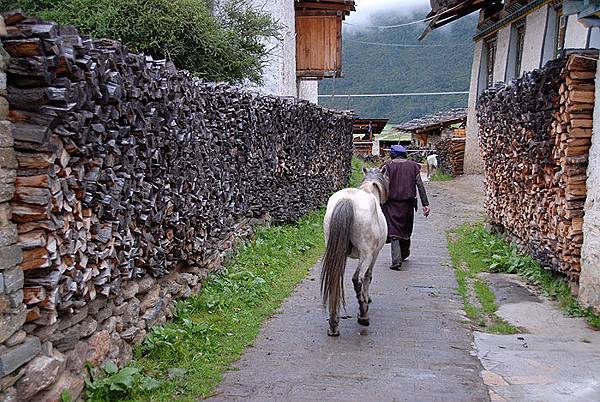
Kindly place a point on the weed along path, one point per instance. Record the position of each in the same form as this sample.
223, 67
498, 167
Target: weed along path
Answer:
416, 348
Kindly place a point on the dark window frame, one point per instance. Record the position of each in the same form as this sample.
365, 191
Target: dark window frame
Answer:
519, 46
490, 48
560, 33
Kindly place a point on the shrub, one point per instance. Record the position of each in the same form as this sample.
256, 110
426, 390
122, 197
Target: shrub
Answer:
231, 47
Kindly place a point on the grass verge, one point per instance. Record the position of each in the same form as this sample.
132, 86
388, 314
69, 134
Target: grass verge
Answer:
357, 175
185, 358
441, 176
474, 249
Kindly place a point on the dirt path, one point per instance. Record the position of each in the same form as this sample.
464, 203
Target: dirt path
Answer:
417, 347
456, 202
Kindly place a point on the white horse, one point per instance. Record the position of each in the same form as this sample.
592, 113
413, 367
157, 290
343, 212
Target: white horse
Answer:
432, 163
355, 227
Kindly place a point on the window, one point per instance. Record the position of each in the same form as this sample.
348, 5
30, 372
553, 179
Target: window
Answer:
561, 29
520, 43
490, 46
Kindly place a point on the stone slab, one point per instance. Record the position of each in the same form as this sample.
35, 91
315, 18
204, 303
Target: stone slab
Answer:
13, 279
13, 358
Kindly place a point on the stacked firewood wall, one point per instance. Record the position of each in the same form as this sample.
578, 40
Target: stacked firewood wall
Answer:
535, 138
451, 155
134, 179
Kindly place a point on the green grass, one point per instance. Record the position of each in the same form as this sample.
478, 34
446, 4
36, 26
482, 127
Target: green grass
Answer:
211, 330
185, 359
474, 250
357, 175
441, 176
478, 299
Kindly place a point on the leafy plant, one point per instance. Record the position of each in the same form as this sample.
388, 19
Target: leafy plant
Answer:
230, 45
483, 251
211, 329
440, 176
108, 383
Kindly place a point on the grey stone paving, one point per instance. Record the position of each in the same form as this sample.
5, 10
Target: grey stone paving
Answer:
554, 358
416, 349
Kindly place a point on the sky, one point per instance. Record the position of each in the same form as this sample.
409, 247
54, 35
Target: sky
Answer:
365, 9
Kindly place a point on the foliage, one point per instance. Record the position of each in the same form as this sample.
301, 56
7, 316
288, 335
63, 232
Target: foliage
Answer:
230, 47
357, 175
441, 176
212, 329
381, 69
108, 383
483, 251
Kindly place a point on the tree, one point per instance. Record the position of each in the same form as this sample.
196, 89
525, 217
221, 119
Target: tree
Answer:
227, 46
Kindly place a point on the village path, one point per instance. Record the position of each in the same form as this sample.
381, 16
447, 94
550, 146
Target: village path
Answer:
418, 346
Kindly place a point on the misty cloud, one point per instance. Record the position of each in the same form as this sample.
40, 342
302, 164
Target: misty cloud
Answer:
367, 9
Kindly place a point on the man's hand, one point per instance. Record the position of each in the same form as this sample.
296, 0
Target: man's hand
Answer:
426, 211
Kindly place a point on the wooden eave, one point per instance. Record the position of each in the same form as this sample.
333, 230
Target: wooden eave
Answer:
340, 8
361, 126
459, 9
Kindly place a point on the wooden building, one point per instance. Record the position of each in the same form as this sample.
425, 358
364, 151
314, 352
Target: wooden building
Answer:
514, 37
319, 37
391, 135
309, 46
428, 130
364, 132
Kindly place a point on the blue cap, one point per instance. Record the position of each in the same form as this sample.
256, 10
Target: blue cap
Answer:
397, 149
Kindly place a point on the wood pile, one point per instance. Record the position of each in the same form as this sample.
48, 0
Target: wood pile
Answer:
451, 155
535, 137
129, 167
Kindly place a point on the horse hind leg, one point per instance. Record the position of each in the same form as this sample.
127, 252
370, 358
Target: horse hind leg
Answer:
361, 287
334, 325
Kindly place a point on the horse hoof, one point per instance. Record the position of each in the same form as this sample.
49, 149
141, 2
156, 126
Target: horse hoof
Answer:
331, 332
363, 321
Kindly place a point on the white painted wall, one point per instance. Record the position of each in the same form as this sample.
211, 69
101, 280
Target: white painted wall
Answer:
502, 50
594, 38
576, 34
308, 90
589, 280
473, 163
279, 74
535, 27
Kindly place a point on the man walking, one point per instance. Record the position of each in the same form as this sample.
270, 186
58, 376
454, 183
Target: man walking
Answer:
399, 210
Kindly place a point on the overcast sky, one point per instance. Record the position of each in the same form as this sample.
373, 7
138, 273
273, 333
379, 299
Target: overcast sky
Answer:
365, 9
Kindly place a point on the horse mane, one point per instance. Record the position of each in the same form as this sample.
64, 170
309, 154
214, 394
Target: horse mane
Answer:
377, 181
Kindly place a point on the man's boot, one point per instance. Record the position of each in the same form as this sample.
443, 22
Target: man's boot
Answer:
405, 248
396, 255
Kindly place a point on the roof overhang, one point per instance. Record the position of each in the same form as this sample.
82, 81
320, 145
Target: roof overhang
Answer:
361, 126
340, 8
446, 11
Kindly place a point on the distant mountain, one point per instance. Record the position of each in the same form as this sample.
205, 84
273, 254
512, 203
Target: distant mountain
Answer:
371, 68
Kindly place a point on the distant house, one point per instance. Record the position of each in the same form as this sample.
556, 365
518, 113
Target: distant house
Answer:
310, 48
426, 131
364, 132
514, 37
388, 137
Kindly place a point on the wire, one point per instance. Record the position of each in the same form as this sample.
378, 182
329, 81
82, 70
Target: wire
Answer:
399, 44
388, 26
405, 23
396, 94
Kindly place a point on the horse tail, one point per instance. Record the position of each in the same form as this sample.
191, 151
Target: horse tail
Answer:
337, 250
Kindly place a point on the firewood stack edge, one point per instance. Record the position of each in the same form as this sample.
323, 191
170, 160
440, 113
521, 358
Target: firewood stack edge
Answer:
535, 134
134, 179
451, 155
